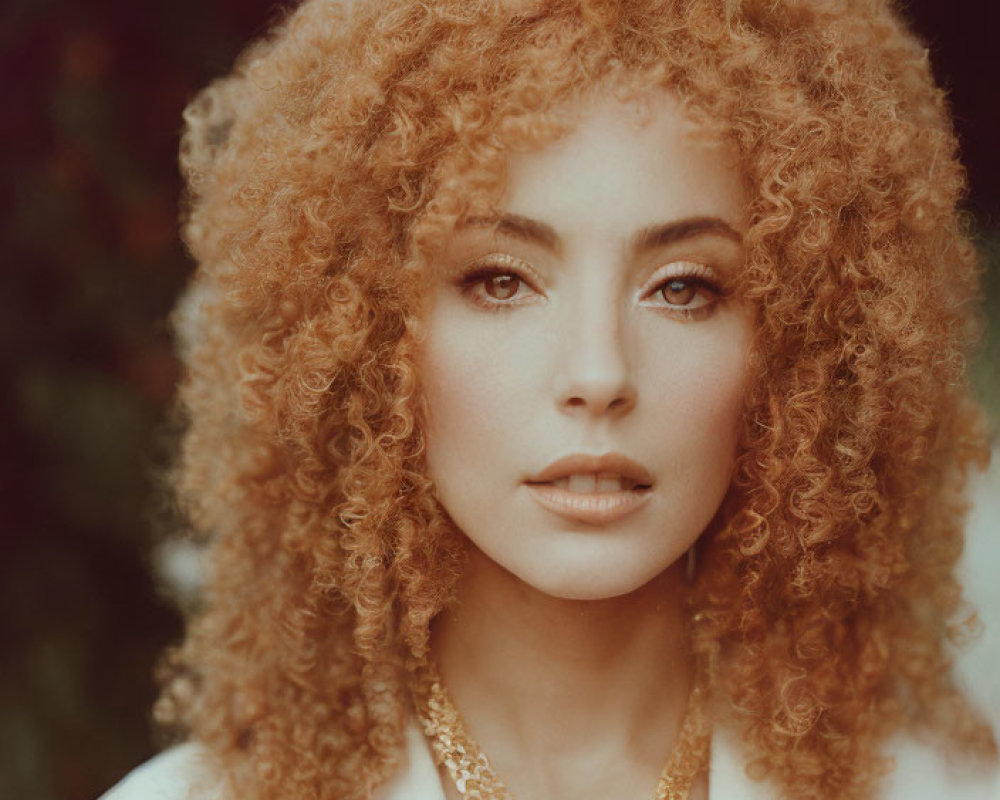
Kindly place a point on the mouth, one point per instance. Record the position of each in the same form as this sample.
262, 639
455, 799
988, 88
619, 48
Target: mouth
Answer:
587, 470
594, 490
590, 483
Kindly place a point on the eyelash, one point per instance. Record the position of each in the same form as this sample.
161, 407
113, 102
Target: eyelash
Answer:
495, 266
698, 276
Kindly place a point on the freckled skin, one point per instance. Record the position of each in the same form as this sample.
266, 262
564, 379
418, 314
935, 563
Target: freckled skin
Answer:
587, 355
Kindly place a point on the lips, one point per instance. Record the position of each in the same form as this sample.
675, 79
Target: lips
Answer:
609, 465
592, 489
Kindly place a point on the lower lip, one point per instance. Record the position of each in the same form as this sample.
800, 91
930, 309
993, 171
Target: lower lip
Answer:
596, 508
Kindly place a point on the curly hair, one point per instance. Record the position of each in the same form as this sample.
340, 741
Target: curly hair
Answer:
322, 173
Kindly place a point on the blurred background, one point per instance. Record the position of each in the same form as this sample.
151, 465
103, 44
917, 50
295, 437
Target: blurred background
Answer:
89, 123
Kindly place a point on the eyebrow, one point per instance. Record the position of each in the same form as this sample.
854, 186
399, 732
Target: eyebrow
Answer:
648, 238
518, 227
654, 236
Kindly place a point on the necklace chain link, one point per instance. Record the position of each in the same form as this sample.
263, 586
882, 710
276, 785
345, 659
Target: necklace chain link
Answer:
475, 779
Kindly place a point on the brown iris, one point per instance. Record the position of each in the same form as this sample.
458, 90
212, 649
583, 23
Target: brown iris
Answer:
501, 287
679, 292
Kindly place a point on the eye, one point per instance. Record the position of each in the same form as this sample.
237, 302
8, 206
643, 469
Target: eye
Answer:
685, 287
501, 286
685, 292
497, 281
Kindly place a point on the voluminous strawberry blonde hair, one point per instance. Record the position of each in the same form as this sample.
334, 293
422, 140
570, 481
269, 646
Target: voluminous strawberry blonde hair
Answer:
322, 174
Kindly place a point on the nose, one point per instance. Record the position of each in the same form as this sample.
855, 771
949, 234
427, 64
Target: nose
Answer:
594, 376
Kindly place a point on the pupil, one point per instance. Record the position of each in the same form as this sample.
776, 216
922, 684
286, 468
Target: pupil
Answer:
502, 287
678, 292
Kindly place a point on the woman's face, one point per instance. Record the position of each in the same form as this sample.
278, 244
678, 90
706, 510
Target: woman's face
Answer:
585, 358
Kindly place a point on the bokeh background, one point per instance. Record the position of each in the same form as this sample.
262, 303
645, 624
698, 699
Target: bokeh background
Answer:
90, 112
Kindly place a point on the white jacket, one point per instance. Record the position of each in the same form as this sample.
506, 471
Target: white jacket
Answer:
179, 774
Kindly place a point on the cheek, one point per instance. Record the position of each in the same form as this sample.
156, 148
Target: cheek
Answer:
700, 390
470, 393
715, 392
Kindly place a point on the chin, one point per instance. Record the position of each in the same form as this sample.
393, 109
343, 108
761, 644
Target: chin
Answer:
599, 580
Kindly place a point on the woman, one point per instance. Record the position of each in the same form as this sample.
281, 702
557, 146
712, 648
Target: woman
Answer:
575, 392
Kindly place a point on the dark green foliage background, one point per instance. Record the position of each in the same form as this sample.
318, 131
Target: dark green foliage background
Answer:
91, 100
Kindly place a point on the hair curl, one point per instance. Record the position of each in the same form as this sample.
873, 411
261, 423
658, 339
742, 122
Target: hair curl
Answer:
322, 171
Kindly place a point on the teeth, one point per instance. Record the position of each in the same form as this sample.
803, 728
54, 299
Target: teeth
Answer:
585, 484
590, 483
609, 483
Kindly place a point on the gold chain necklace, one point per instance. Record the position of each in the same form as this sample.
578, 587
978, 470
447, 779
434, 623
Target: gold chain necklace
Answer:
475, 779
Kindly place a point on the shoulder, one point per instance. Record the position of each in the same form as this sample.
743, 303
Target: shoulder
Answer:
921, 773
180, 773
183, 773
975, 666
418, 777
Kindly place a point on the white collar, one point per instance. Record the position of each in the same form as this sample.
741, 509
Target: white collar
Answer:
184, 773
418, 779
920, 774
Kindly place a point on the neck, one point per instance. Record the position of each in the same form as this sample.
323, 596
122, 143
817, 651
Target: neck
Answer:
542, 681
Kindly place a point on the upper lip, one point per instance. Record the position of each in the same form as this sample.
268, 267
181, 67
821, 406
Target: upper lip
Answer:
583, 464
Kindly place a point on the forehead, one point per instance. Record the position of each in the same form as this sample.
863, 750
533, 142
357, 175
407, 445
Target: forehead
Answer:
626, 164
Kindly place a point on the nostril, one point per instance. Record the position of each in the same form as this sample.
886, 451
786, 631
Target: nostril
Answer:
596, 391
617, 404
